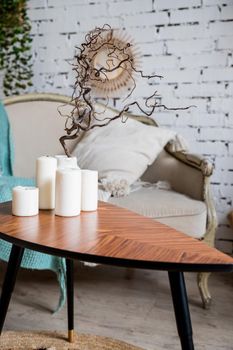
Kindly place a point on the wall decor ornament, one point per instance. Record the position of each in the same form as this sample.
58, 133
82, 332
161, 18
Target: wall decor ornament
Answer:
115, 52
15, 46
104, 62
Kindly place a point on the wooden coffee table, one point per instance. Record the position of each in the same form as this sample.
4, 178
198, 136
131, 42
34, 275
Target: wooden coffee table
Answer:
113, 236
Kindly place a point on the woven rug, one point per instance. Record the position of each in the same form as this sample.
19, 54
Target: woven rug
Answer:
57, 341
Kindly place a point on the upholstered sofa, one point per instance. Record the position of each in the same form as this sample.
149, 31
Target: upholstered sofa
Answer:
188, 207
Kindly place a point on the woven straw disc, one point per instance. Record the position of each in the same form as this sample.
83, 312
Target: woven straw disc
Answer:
57, 341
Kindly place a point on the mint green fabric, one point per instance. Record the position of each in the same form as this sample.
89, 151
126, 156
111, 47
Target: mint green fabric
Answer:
31, 259
6, 144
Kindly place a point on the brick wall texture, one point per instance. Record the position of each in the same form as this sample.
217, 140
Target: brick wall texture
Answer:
189, 42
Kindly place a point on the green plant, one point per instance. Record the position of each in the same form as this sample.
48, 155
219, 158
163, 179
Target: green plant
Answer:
15, 46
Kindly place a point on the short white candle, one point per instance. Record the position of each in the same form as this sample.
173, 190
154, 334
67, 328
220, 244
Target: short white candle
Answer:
46, 167
25, 201
66, 162
89, 199
68, 192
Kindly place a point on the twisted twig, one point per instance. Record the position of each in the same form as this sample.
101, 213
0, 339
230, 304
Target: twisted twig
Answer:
83, 116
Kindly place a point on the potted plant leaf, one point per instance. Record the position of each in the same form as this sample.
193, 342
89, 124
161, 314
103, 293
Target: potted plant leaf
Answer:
15, 46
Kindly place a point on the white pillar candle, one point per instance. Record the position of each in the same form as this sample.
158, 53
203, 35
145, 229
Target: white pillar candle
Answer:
25, 201
45, 178
89, 198
68, 192
66, 162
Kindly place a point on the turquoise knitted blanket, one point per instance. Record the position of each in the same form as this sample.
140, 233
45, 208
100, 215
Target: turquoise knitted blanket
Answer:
6, 144
31, 259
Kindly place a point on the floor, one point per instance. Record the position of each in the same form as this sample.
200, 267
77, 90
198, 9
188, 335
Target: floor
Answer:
138, 311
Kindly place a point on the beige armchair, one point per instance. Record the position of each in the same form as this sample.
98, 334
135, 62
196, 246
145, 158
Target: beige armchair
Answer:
188, 207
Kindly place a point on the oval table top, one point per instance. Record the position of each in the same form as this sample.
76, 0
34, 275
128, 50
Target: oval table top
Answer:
111, 235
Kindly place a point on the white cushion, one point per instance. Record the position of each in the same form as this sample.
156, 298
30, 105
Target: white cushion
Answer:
169, 207
121, 150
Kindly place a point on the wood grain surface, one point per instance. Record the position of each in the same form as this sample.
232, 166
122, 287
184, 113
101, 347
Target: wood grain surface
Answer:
112, 235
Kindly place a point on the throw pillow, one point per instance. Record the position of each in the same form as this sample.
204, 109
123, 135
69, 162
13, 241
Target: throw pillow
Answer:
121, 151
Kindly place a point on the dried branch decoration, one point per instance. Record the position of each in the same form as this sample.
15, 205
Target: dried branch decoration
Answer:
89, 75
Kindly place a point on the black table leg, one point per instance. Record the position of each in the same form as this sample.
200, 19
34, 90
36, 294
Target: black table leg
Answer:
181, 308
70, 298
9, 281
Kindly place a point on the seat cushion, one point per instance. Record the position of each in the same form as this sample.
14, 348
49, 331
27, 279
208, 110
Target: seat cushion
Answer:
171, 208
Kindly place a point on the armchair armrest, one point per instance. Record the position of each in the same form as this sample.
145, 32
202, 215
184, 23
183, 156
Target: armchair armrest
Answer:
186, 173
195, 160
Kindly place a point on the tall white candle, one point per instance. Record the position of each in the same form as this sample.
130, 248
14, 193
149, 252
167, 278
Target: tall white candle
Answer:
89, 190
25, 201
45, 178
68, 192
66, 162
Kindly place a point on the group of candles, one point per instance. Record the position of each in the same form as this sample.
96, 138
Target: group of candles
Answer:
61, 186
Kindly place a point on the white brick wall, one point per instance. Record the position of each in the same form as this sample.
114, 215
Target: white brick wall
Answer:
190, 42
